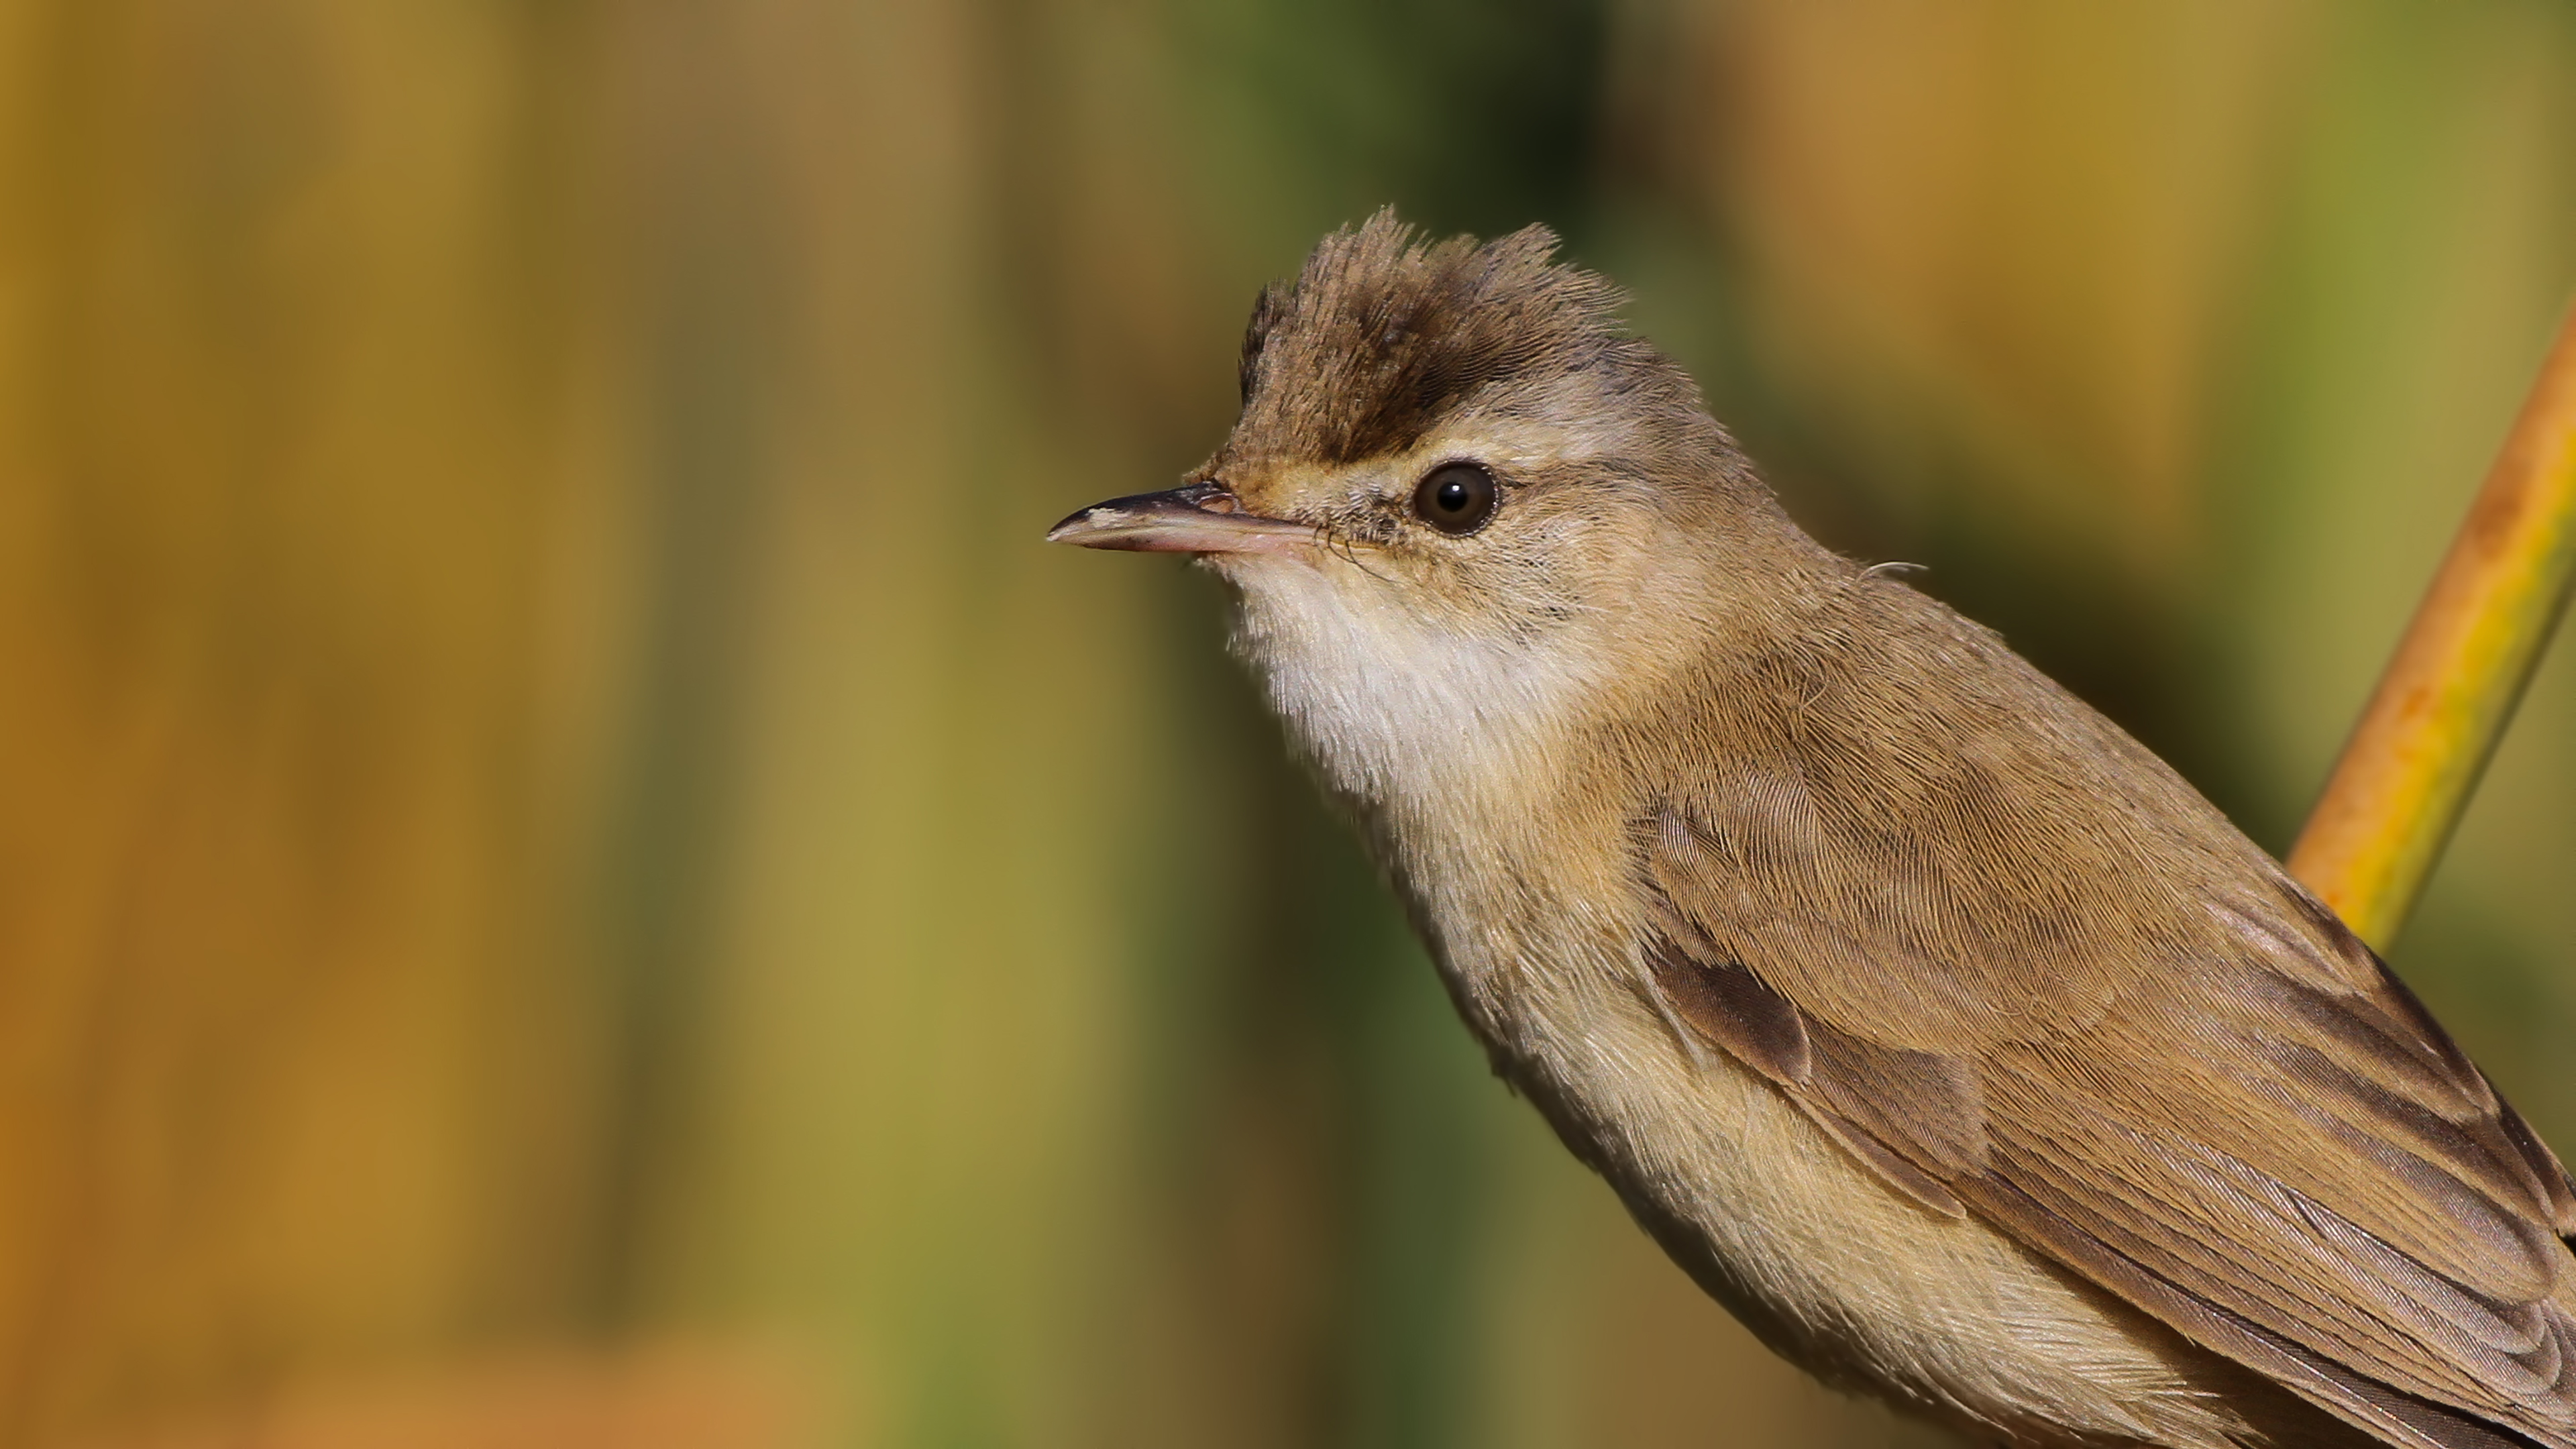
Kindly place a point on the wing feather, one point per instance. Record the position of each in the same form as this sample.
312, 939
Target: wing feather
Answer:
2230, 1115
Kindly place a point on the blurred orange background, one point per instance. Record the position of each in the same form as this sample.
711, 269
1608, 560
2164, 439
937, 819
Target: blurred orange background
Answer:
572, 873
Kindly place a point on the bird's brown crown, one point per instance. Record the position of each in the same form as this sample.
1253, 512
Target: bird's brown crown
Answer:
1383, 333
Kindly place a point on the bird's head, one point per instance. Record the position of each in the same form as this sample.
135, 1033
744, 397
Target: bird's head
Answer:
1459, 495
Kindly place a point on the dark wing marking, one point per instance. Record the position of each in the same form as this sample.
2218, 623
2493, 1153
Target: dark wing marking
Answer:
1732, 1008
1759, 1027
2213, 1101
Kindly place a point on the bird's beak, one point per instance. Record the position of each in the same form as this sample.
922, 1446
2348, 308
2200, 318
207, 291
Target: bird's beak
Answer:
1201, 518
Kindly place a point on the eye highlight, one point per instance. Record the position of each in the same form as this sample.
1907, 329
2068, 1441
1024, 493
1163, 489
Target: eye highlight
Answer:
1456, 498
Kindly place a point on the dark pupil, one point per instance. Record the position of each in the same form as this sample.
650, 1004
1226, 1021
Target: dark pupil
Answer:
1456, 499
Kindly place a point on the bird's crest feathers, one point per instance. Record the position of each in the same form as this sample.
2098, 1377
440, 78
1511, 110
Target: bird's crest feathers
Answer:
1384, 332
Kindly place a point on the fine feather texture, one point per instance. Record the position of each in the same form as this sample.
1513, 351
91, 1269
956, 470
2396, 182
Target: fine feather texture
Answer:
1981, 948
1933, 1024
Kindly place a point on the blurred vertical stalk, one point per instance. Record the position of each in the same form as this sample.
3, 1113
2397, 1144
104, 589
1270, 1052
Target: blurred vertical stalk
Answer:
2405, 775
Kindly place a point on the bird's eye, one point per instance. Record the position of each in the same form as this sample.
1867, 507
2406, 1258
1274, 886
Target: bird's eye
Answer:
1456, 498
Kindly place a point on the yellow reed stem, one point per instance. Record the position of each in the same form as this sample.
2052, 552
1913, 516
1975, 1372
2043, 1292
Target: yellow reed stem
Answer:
2406, 774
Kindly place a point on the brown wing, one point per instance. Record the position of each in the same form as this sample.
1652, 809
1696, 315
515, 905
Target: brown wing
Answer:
2146, 1055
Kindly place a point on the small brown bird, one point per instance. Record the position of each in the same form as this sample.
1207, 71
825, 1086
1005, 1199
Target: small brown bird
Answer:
1931, 1023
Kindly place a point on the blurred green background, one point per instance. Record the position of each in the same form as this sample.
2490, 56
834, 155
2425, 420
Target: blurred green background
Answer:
571, 872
